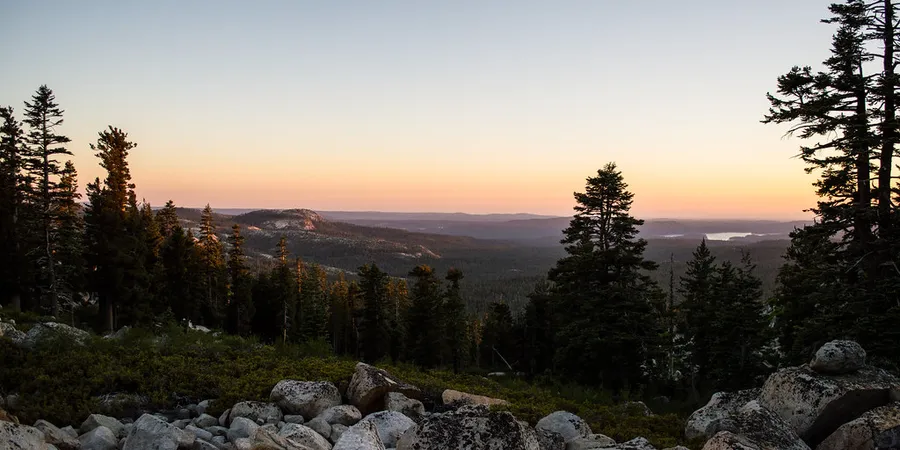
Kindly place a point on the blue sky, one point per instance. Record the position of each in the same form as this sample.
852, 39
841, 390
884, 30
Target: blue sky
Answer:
475, 106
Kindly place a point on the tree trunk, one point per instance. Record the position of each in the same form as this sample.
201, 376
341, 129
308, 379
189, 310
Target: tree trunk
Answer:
888, 127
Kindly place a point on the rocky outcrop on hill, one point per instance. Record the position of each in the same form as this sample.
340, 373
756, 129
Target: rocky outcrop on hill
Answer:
834, 402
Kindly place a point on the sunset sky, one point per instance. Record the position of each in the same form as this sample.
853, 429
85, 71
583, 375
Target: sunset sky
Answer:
466, 105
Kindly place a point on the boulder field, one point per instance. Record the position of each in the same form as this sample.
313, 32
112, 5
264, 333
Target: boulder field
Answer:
378, 412
835, 402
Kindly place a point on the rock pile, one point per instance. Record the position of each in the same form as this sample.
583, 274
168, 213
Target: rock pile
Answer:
834, 402
380, 413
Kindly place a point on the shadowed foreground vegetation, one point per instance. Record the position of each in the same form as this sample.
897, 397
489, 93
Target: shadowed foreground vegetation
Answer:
63, 383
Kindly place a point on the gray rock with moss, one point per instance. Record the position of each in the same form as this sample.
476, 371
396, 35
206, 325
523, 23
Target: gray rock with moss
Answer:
708, 420
815, 405
99, 438
362, 436
307, 398
390, 425
44, 332
470, 428
343, 414
305, 436
57, 437
97, 420
566, 424
152, 432
876, 429
369, 385
256, 411
17, 436
838, 357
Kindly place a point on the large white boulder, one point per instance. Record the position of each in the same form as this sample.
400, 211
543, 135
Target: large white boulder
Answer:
305, 436
307, 398
815, 405
369, 385
876, 429
707, 421
470, 428
151, 432
837, 357
16, 436
362, 436
390, 425
566, 424
256, 411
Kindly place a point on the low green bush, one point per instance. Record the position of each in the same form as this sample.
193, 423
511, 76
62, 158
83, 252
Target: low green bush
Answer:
62, 383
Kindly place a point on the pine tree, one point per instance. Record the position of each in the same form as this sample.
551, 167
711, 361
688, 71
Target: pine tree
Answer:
540, 330
498, 339
454, 318
240, 305
375, 336
423, 321
340, 316
69, 235
167, 218
212, 270
312, 306
110, 246
14, 271
180, 271
43, 145
284, 291
849, 111
698, 310
602, 294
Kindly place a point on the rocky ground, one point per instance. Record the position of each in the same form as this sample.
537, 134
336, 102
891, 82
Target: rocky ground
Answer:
376, 412
836, 402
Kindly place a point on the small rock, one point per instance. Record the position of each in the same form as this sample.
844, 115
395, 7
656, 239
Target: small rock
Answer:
395, 401
342, 414
550, 440
199, 432
390, 425
181, 423
256, 411
294, 418
205, 421
362, 436
636, 444
704, 422
837, 357
201, 444
337, 430
99, 438
369, 385
70, 431
243, 444
305, 436
320, 426
217, 430
589, 442
223, 419
97, 420
53, 435
241, 427
450, 396
566, 424
152, 432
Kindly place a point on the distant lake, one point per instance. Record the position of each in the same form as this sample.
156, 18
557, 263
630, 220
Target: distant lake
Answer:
725, 236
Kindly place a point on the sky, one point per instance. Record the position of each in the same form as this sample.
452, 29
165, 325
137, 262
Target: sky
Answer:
450, 106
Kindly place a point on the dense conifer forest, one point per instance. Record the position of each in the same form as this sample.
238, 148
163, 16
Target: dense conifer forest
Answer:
605, 315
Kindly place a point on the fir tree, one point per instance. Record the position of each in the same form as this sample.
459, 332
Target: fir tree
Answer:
698, 310
540, 330
212, 270
375, 337
167, 218
312, 306
110, 246
602, 294
69, 236
498, 340
14, 271
423, 321
43, 145
240, 305
180, 272
454, 317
